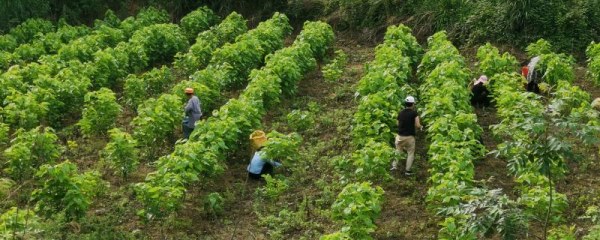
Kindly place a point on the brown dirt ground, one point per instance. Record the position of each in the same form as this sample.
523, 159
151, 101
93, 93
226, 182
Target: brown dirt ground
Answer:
404, 214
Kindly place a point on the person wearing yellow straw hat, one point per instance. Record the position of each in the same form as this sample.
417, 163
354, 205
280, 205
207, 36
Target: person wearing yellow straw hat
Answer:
259, 165
193, 113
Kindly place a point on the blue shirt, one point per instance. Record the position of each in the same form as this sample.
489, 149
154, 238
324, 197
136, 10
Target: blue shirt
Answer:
193, 111
258, 162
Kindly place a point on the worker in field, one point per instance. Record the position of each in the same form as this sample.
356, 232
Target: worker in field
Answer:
192, 111
479, 92
408, 122
260, 165
533, 75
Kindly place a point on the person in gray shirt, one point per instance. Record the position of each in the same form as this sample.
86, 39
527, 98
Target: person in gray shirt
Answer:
192, 111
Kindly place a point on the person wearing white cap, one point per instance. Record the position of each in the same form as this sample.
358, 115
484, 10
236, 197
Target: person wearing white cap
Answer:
479, 92
408, 122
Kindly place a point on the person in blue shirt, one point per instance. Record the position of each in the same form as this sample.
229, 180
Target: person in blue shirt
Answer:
193, 113
259, 165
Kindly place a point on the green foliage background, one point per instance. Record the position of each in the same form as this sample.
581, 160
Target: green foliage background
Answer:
569, 24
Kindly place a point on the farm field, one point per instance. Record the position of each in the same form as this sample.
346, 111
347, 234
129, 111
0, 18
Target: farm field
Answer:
91, 143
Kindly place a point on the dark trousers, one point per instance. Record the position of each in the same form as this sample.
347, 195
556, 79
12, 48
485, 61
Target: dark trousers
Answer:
533, 87
479, 96
267, 169
187, 131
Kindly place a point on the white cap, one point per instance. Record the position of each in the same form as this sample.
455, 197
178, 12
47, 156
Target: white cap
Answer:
410, 99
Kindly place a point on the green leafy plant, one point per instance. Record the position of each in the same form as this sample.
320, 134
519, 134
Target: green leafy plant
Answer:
5, 187
100, 112
357, 207
197, 21
562, 233
593, 62
213, 204
4, 131
19, 223
334, 70
83, 48
29, 150
248, 50
281, 147
121, 152
274, 187
8, 43
160, 42
201, 51
593, 234
383, 87
287, 221
139, 87
492, 63
157, 118
27, 30
485, 213
536, 154
24, 110
64, 189
373, 160
300, 120
593, 214
200, 158
538, 48
146, 17
336, 236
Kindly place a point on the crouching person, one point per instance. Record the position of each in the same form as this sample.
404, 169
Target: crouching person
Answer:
259, 164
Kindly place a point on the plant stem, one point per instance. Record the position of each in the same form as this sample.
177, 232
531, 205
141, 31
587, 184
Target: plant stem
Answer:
549, 205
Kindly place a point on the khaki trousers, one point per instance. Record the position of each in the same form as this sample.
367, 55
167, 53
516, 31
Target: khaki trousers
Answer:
406, 143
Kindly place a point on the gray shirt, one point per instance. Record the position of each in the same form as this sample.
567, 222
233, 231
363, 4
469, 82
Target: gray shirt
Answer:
193, 111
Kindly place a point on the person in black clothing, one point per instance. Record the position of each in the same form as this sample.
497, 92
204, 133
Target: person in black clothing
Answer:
408, 121
534, 75
480, 93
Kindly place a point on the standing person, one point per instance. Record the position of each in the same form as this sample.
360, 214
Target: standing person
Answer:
533, 75
479, 92
259, 165
192, 111
408, 122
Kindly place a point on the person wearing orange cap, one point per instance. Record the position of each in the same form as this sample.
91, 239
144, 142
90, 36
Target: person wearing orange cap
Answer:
193, 113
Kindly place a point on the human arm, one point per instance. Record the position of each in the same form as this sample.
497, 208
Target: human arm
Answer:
418, 123
275, 163
261, 156
188, 107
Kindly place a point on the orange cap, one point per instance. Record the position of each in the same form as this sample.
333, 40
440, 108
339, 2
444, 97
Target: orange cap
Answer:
189, 90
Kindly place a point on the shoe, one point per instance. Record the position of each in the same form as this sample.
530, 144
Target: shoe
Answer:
408, 173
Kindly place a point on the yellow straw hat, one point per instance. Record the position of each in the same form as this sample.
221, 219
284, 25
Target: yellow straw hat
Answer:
258, 138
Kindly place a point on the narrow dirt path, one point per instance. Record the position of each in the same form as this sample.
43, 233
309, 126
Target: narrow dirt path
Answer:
492, 170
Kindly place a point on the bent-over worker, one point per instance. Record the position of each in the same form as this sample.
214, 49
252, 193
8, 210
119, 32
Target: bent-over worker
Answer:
260, 165
480, 93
